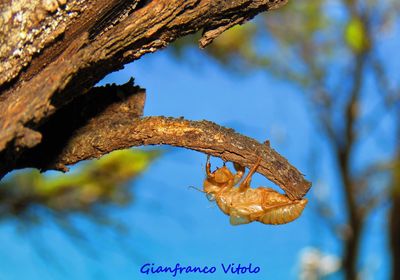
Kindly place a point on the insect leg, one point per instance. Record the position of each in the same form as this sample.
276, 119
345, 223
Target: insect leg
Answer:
239, 172
237, 218
246, 182
208, 167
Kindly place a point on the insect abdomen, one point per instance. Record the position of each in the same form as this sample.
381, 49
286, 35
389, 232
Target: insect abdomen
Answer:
283, 213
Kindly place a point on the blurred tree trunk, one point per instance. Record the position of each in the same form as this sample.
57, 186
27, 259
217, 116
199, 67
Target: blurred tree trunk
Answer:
394, 229
394, 212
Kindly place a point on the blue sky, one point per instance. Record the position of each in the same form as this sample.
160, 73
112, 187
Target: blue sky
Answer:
171, 223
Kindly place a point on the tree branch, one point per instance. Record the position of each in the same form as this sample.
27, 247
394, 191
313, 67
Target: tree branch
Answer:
203, 136
99, 128
77, 61
47, 122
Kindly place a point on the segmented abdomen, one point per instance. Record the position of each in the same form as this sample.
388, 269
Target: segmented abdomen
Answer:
283, 213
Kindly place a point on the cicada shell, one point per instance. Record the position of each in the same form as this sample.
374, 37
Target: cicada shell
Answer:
244, 204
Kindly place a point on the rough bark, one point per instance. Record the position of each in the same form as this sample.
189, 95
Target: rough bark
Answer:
109, 118
62, 49
195, 135
86, 54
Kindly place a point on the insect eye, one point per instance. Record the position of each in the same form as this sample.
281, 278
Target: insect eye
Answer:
210, 197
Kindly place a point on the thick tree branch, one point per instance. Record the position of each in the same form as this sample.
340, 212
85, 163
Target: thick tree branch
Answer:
41, 127
85, 55
99, 128
111, 103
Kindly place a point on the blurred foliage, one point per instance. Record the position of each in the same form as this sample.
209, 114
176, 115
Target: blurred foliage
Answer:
97, 184
302, 41
356, 35
271, 40
232, 47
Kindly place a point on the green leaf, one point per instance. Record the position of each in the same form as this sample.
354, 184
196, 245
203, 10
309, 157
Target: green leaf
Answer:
356, 35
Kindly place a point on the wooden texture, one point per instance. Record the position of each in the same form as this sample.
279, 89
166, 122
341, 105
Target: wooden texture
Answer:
81, 62
63, 48
107, 132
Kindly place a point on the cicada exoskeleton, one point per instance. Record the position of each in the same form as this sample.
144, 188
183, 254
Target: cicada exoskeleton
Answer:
244, 204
